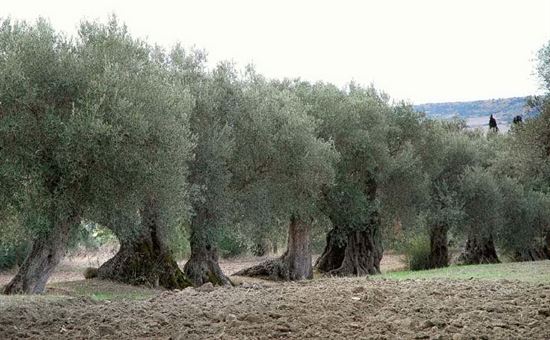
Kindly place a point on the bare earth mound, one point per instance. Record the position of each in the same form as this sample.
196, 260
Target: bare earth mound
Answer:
326, 308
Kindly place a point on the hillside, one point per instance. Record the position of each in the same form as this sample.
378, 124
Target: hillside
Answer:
476, 113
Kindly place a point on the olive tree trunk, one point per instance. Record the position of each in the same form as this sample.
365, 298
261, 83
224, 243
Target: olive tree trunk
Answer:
360, 250
532, 254
536, 253
362, 256
439, 249
298, 252
334, 252
294, 264
359, 254
203, 265
144, 258
479, 250
46, 252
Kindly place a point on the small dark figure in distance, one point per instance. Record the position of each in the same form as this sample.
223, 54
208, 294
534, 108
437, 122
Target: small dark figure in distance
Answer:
493, 124
517, 120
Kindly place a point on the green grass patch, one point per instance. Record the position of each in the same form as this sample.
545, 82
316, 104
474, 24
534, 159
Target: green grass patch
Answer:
538, 271
100, 290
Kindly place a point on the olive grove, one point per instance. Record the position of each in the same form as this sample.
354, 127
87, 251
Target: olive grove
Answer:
153, 143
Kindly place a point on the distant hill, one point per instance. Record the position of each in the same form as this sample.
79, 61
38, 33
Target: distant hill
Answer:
476, 113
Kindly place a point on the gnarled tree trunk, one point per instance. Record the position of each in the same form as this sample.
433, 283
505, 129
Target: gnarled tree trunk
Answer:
334, 252
203, 266
479, 250
363, 253
362, 256
295, 263
536, 253
359, 255
144, 258
46, 252
532, 254
439, 250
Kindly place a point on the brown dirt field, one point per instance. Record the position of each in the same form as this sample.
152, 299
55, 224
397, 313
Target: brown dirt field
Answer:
329, 308
324, 308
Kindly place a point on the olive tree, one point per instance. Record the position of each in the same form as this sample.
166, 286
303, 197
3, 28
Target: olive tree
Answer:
40, 97
76, 131
280, 167
355, 120
405, 185
446, 153
523, 234
140, 85
216, 103
522, 165
482, 202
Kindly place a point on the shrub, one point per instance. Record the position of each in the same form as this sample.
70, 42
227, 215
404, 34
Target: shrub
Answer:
417, 252
12, 255
232, 244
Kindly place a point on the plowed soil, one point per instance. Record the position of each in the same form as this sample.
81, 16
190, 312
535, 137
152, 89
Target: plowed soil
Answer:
325, 308
328, 308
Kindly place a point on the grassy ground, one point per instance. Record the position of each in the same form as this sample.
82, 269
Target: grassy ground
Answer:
516, 271
99, 290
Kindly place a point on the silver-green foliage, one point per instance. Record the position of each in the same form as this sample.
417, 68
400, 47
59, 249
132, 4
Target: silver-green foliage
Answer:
90, 125
280, 164
446, 155
525, 216
355, 120
482, 201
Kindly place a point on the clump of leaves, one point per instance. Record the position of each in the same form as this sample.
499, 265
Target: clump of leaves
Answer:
417, 252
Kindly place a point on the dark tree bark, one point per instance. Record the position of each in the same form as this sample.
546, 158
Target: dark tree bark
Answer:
532, 254
46, 252
363, 253
334, 252
537, 253
144, 258
294, 264
479, 250
203, 266
439, 251
362, 250
360, 254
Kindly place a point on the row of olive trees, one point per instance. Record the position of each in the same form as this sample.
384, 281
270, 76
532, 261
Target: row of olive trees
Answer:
489, 190
107, 128
477, 188
110, 129
506, 197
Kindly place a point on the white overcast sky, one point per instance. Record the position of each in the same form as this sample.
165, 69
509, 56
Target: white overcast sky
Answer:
421, 50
